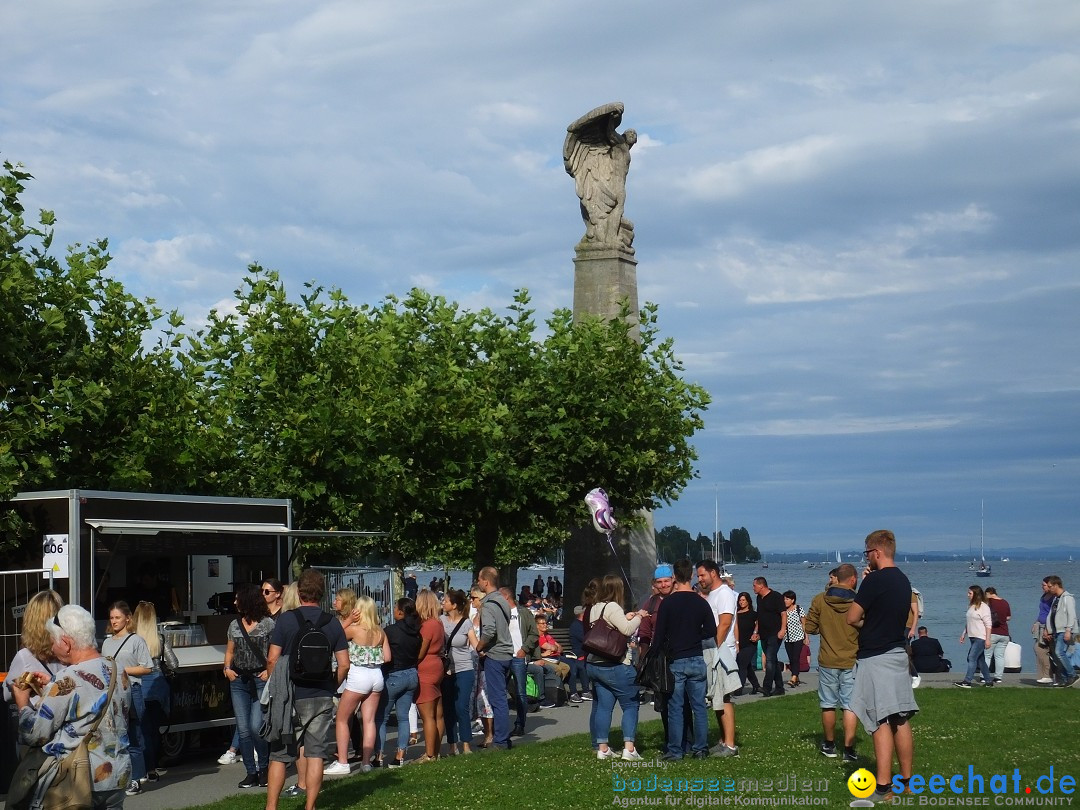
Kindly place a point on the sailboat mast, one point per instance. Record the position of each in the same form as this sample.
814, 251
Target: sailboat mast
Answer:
982, 529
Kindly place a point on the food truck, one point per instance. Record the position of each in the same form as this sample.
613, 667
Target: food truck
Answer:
185, 553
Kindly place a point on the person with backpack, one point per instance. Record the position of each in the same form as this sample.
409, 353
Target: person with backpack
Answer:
312, 640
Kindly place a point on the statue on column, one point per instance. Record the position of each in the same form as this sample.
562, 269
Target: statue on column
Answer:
598, 158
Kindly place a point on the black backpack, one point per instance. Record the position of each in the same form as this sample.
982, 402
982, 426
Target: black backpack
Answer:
312, 657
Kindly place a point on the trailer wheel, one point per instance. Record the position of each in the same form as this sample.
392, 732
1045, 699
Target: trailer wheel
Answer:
172, 745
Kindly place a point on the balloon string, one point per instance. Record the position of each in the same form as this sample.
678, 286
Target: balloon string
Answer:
626, 579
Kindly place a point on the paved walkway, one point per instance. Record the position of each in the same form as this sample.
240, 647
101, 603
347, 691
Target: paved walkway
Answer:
200, 780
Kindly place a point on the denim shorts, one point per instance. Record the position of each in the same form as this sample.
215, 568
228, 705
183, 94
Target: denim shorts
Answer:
835, 687
315, 718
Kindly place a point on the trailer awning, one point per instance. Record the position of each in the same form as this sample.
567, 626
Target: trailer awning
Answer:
148, 528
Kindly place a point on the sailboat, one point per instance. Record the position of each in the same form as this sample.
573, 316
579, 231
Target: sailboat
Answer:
983, 570
838, 560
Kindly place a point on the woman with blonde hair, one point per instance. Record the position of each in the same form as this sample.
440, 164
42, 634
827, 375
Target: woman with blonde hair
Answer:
343, 603
36, 652
155, 689
483, 706
430, 670
290, 598
369, 649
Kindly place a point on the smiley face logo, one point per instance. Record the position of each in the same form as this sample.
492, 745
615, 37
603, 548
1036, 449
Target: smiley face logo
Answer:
861, 783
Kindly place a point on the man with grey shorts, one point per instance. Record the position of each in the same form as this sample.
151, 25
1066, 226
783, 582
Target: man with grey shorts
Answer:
827, 618
313, 704
883, 699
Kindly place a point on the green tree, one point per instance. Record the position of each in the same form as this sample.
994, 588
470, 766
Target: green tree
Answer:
83, 401
460, 433
672, 543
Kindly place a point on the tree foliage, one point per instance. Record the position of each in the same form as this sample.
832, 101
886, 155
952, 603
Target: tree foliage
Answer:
84, 402
467, 436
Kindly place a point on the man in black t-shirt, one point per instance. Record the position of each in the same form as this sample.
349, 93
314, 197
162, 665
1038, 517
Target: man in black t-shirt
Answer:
683, 621
313, 704
883, 698
772, 627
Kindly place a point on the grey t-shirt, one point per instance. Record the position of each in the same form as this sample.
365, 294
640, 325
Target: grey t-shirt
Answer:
460, 650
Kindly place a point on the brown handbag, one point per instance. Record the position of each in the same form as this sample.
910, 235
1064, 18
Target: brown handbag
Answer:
603, 640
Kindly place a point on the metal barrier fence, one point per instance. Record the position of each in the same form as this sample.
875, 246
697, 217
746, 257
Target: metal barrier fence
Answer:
16, 588
377, 583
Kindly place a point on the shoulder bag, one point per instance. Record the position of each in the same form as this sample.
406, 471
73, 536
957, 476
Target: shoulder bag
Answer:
73, 785
447, 655
603, 640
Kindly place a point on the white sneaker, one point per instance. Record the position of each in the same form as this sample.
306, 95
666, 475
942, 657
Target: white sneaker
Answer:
915, 681
631, 756
609, 754
365, 768
228, 758
1045, 680
337, 769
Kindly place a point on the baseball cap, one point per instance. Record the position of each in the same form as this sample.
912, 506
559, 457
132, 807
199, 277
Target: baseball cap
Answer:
663, 571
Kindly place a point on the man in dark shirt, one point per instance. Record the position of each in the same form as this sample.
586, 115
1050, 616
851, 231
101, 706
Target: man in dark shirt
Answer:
312, 704
927, 655
883, 698
772, 627
683, 621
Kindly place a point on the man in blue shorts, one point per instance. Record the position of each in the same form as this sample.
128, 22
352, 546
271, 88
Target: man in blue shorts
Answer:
827, 618
883, 699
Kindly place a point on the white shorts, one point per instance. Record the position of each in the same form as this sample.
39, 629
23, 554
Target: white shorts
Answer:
364, 680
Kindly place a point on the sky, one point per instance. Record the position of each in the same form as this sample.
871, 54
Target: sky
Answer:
860, 221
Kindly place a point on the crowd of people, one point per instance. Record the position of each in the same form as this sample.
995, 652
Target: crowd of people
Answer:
316, 690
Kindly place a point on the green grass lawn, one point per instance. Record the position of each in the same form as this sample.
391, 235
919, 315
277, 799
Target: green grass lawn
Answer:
994, 731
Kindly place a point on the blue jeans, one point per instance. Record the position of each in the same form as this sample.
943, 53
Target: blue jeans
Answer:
135, 731
457, 692
690, 682
246, 691
976, 658
610, 684
519, 670
998, 645
495, 673
1060, 654
773, 679
579, 674
400, 691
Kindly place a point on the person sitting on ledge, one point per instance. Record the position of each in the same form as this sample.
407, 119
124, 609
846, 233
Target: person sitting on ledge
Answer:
927, 655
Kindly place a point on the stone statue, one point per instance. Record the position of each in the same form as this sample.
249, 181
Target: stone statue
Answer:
598, 158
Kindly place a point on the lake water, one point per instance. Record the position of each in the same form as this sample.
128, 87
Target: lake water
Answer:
943, 585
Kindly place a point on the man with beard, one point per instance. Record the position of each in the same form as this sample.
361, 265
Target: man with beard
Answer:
883, 698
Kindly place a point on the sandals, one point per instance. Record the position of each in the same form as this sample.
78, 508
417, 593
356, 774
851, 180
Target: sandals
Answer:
793, 683
413, 739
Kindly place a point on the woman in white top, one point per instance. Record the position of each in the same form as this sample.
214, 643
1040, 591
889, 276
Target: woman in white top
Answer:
612, 680
977, 632
133, 657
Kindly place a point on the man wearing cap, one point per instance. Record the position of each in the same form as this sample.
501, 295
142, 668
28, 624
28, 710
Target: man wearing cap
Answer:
662, 585
663, 582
